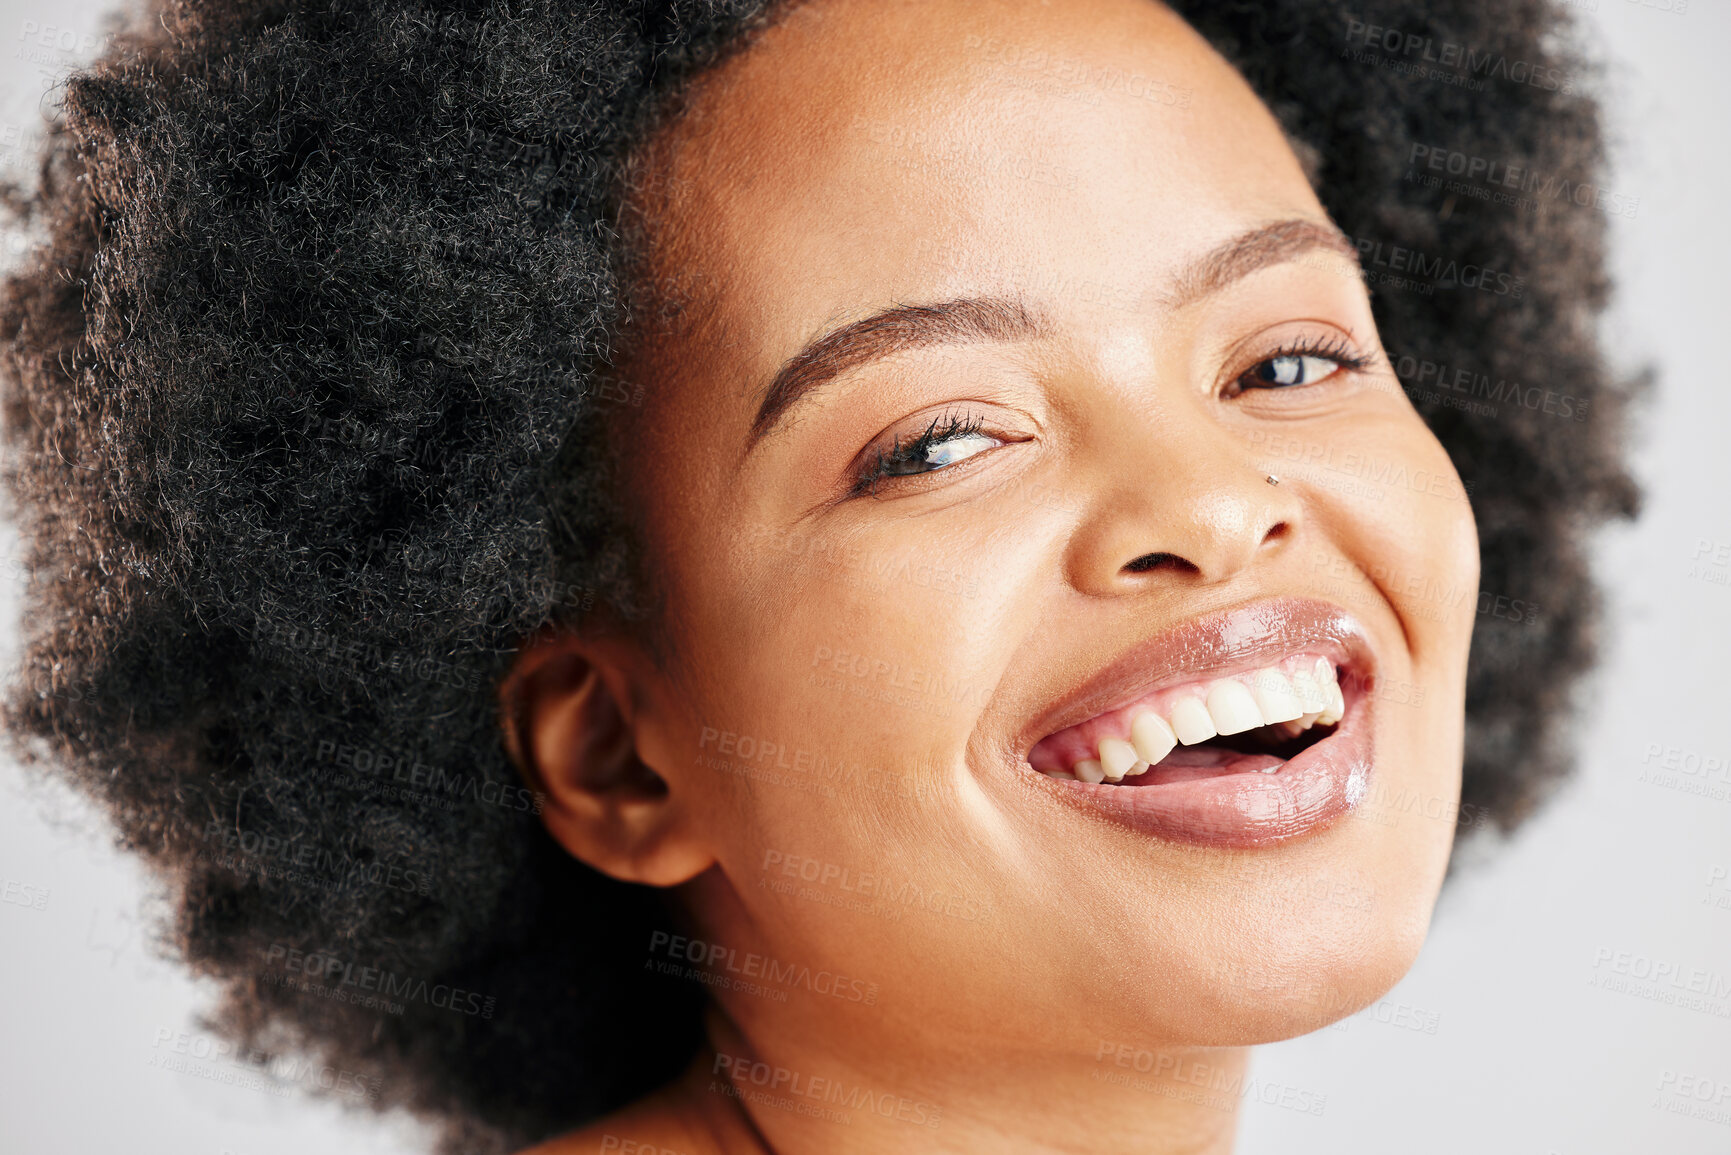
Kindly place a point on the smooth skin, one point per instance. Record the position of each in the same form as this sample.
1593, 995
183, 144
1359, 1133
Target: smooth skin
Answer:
867, 154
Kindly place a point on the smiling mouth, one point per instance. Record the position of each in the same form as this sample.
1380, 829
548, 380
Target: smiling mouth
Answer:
1245, 727
1248, 722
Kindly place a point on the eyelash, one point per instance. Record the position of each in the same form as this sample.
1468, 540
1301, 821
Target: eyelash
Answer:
949, 427
954, 427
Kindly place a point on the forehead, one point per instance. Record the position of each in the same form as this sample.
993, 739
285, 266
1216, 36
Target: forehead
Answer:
870, 151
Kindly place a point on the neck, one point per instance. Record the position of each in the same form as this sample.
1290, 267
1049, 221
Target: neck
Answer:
768, 1092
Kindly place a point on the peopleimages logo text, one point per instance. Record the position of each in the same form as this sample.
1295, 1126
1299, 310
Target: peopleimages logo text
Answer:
1375, 254
1536, 185
750, 965
1413, 48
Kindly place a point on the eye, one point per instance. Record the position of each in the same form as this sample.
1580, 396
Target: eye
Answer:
1294, 370
945, 442
956, 449
1299, 366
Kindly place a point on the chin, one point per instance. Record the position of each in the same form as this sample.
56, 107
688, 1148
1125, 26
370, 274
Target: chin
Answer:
1274, 974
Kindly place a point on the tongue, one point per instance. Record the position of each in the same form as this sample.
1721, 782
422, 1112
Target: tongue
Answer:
1189, 763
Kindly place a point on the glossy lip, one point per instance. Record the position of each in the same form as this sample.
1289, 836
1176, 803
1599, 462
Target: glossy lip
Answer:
1242, 810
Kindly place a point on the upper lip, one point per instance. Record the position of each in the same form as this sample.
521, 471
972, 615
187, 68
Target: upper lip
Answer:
1225, 641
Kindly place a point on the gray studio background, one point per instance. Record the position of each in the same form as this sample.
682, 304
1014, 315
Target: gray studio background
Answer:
1517, 1032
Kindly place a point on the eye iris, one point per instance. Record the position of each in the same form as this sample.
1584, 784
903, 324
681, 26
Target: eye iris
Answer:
1281, 370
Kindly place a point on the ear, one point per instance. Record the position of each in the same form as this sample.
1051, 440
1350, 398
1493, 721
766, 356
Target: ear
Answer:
572, 729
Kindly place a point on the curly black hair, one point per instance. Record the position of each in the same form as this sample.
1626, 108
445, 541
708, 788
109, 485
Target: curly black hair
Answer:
305, 386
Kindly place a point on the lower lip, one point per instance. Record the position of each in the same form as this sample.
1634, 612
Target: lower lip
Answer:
1248, 810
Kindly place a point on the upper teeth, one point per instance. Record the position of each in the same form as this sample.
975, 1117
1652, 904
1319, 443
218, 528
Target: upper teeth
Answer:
1308, 695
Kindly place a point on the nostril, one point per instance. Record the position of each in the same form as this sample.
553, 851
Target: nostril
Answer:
1280, 531
1153, 561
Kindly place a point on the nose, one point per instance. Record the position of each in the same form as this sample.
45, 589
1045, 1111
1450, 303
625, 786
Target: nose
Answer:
1176, 500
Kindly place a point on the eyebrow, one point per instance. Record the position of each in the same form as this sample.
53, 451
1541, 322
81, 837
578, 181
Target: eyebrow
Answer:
966, 319
892, 330
1257, 249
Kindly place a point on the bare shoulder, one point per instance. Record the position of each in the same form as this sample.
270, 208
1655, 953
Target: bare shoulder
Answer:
632, 1131
675, 1120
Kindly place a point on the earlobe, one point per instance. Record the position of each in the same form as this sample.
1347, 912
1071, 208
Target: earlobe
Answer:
572, 739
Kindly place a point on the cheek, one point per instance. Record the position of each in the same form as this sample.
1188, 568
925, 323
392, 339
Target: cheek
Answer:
1402, 521
837, 723
836, 685
887, 641
850, 671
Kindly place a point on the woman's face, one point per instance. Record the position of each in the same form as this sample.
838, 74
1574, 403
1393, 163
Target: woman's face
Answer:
998, 317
